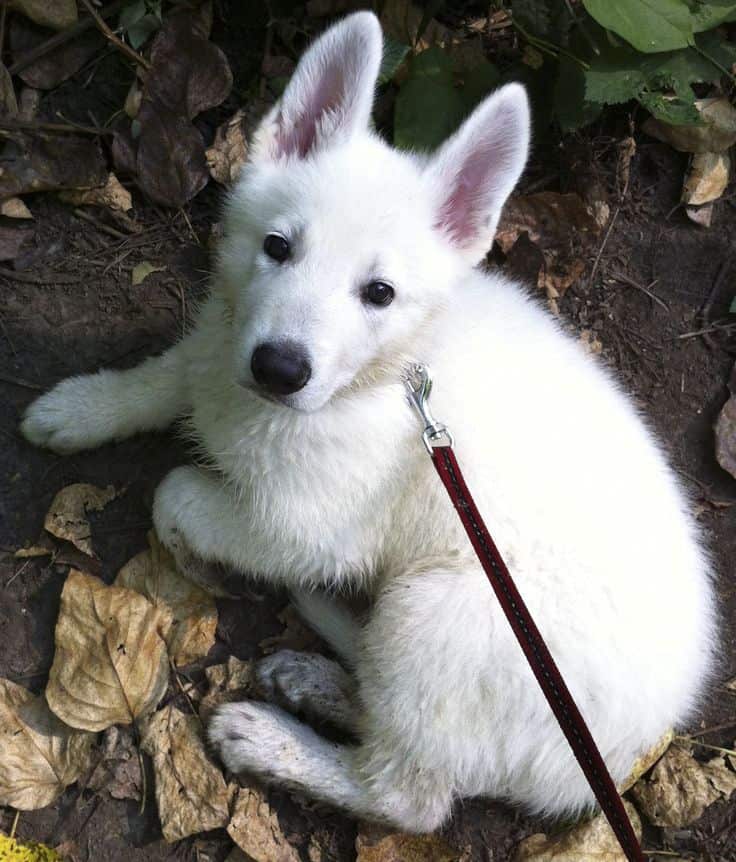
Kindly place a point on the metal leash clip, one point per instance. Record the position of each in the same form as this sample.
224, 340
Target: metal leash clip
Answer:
418, 384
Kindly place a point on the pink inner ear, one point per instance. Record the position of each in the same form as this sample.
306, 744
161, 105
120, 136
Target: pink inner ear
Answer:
464, 212
298, 134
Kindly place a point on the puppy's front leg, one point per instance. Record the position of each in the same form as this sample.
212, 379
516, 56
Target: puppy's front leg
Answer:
200, 522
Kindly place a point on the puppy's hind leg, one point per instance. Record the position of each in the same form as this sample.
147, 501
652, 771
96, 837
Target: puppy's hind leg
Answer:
332, 621
89, 410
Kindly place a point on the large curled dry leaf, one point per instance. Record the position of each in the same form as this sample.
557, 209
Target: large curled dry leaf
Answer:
228, 152
67, 516
592, 841
255, 828
39, 755
680, 788
188, 615
39, 163
375, 844
113, 195
57, 14
110, 665
716, 133
190, 791
229, 682
707, 178
646, 761
726, 430
8, 100
55, 66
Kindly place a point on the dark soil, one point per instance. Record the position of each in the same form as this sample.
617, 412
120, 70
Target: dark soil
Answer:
73, 309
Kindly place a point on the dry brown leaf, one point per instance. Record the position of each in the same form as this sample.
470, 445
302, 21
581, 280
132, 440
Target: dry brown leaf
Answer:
119, 770
229, 682
592, 841
39, 755
188, 615
726, 430
14, 241
33, 551
254, 827
112, 195
715, 135
643, 764
29, 103
707, 178
15, 208
680, 788
548, 217
110, 665
228, 152
55, 66
67, 517
700, 215
295, 635
56, 14
375, 844
590, 342
191, 793
8, 101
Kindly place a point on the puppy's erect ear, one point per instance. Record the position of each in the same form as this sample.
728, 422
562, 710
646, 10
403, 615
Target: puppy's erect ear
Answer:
329, 96
475, 170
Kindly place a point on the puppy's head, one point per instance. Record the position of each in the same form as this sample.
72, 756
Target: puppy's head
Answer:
338, 250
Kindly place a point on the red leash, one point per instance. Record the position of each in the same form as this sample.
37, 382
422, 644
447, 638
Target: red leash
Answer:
439, 443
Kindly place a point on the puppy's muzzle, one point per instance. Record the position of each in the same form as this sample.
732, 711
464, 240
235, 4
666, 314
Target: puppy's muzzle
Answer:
281, 367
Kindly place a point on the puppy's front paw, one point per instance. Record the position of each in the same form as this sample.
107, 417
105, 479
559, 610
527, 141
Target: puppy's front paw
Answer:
253, 737
62, 419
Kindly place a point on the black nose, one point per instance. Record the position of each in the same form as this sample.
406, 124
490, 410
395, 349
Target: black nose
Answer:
282, 367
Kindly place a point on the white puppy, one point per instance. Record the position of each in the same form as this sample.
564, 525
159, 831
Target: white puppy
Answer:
344, 260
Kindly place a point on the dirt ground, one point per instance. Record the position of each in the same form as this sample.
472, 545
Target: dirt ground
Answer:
72, 309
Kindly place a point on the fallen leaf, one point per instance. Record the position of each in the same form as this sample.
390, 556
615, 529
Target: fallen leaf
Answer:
401, 21
700, 215
171, 167
731, 685
67, 517
39, 755
375, 844
643, 764
715, 135
255, 828
680, 788
707, 178
191, 793
725, 430
295, 635
33, 551
31, 851
228, 682
228, 152
56, 66
119, 770
56, 14
188, 615
548, 218
15, 208
110, 665
590, 342
142, 270
8, 101
188, 73
112, 195
40, 162
133, 100
591, 841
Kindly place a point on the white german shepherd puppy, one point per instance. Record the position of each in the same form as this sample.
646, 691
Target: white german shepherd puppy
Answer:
343, 261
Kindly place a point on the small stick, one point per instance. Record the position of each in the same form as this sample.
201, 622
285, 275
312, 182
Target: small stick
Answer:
24, 384
17, 813
116, 41
8, 125
61, 38
597, 260
620, 276
689, 739
100, 225
27, 278
725, 726
716, 327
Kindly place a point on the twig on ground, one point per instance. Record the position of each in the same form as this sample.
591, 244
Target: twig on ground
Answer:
624, 279
111, 37
29, 278
62, 38
597, 260
727, 725
716, 327
7, 125
18, 381
100, 225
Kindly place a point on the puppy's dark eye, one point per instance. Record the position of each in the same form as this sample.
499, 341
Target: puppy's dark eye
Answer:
277, 247
378, 293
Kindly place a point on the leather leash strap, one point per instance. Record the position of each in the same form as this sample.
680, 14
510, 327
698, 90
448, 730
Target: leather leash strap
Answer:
439, 444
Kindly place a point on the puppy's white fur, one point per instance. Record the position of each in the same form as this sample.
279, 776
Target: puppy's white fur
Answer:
332, 487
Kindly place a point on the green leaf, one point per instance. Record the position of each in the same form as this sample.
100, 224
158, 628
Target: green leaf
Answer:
478, 82
706, 16
428, 107
671, 109
394, 54
572, 109
648, 25
732, 306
